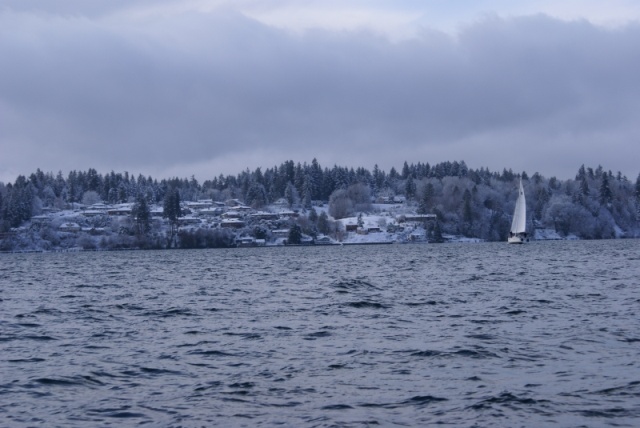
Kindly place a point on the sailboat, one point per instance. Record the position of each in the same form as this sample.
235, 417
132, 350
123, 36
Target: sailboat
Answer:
518, 233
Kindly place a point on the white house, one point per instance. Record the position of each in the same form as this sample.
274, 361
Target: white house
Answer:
69, 227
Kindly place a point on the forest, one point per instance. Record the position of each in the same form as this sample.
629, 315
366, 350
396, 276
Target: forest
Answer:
477, 203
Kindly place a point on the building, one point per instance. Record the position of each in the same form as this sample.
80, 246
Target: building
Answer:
69, 227
264, 216
233, 223
121, 210
417, 217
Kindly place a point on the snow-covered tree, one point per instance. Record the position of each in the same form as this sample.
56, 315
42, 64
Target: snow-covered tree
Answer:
410, 187
172, 211
291, 195
360, 195
324, 226
307, 191
256, 195
340, 204
313, 215
90, 197
605, 190
426, 199
141, 216
18, 202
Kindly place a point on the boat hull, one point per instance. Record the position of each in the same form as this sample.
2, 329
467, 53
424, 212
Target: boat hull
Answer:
517, 239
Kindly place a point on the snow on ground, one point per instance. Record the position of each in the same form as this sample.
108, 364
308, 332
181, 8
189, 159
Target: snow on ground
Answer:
551, 235
371, 238
386, 223
546, 235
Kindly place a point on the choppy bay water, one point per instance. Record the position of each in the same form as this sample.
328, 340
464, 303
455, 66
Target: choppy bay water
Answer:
545, 334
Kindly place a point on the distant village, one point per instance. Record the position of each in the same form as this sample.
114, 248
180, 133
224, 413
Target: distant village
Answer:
102, 226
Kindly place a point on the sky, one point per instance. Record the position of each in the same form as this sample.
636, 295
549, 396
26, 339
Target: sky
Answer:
181, 88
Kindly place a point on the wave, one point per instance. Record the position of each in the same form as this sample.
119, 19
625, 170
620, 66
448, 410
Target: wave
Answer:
416, 401
352, 284
317, 335
364, 304
247, 336
506, 399
467, 353
87, 381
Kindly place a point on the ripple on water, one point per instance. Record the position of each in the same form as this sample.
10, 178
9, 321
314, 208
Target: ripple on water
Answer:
406, 335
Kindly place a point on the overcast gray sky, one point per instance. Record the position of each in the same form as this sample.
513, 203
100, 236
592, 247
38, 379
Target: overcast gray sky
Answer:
203, 87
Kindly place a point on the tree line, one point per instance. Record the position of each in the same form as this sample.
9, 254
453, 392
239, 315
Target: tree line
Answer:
472, 202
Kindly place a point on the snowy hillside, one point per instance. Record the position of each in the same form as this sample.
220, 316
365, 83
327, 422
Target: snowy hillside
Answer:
304, 204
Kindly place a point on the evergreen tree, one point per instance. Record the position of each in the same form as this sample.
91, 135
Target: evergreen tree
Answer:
464, 170
467, 212
307, 191
605, 191
410, 187
257, 176
295, 235
59, 184
324, 226
541, 201
313, 215
316, 176
71, 183
298, 178
112, 196
94, 181
289, 168
328, 185
405, 171
122, 192
141, 216
19, 202
340, 177
426, 200
438, 171
378, 179
291, 194
584, 186
436, 236
599, 171
256, 195
172, 212
259, 232
393, 174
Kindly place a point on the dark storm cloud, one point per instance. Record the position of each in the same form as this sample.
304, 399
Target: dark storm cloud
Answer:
207, 93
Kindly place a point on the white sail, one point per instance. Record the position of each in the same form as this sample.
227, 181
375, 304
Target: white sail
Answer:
519, 223
518, 233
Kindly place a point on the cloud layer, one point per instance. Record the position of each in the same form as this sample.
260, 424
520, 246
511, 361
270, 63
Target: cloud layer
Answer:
210, 92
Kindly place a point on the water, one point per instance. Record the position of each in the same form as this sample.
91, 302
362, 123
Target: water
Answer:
482, 335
